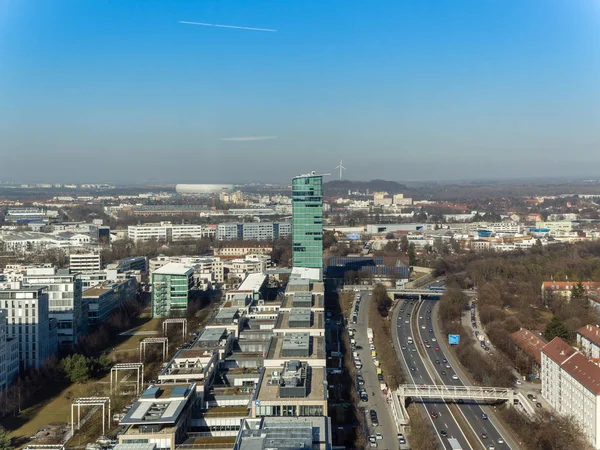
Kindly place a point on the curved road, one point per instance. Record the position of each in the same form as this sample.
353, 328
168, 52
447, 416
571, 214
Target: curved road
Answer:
472, 411
445, 422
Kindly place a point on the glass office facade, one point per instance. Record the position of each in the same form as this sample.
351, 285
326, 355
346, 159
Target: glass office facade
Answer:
307, 221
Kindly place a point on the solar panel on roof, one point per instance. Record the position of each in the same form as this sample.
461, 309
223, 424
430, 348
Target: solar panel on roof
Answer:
151, 392
178, 391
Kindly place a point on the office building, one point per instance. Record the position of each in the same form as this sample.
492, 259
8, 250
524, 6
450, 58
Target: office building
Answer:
28, 322
104, 299
65, 301
171, 286
571, 385
85, 262
284, 433
9, 353
307, 221
168, 232
253, 231
207, 266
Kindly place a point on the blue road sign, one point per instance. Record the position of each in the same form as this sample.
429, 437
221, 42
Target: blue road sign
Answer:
453, 339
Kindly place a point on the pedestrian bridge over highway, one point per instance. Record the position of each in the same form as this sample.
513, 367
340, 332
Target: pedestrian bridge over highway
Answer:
446, 392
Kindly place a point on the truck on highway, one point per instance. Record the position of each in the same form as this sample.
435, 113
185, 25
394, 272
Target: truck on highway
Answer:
454, 444
370, 334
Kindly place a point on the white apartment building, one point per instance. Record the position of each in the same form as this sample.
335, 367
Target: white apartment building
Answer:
9, 354
27, 319
501, 227
571, 384
561, 226
65, 300
239, 268
588, 341
85, 262
168, 232
253, 231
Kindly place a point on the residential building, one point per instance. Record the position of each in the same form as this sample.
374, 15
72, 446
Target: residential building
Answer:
565, 289
255, 231
571, 385
104, 299
130, 263
65, 301
588, 341
169, 232
560, 226
9, 353
171, 286
85, 262
531, 344
25, 215
28, 322
241, 249
307, 221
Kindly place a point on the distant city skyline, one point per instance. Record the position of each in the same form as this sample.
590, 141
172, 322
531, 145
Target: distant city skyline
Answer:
405, 91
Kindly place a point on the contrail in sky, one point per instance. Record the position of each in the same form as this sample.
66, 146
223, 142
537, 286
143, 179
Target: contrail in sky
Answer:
226, 26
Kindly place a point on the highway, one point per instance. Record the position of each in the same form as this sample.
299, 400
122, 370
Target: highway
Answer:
377, 401
471, 410
445, 422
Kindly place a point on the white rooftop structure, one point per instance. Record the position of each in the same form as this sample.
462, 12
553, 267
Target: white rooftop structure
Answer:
253, 282
174, 269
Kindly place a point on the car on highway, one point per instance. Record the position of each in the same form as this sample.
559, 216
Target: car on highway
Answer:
443, 433
538, 404
437, 349
360, 380
491, 447
425, 341
483, 435
455, 377
372, 442
437, 361
378, 436
404, 347
431, 330
420, 317
414, 349
484, 416
443, 372
500, 441
428, 345
401, 439
413, 368
433, 340
434, 415
422, 327
406, 321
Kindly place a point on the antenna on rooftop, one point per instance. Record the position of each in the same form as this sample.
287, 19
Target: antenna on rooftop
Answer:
341, 167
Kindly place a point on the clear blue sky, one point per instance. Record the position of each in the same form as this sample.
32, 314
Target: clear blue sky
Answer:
119, 91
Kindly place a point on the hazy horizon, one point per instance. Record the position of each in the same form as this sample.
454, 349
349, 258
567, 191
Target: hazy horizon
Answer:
402, 91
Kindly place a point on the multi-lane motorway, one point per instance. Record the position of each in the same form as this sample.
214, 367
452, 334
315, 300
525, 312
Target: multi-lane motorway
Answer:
426, 365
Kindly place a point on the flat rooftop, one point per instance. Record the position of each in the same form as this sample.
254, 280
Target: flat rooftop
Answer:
253, 282
212, 335
96, 291
317, 347
174, 269
269, 391
317, 301
283, 321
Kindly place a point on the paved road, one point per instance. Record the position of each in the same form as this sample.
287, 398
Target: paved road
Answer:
412, 359
472, 411
377, 400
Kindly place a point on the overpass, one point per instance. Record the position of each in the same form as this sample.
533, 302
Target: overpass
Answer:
447, 392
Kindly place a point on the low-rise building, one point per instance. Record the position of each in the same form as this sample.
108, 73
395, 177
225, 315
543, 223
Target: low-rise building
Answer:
255, 231
241, 249
169, 232
588, 341
105, 298
531, 344
161, 416
565, 289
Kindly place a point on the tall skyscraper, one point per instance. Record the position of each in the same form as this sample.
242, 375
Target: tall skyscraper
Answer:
307, 221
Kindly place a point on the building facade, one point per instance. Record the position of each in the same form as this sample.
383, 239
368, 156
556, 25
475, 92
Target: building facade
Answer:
85, 262
571, 385
168, 232
66, 303
171, 286
307, 221
28, 322
257, 231
9, 354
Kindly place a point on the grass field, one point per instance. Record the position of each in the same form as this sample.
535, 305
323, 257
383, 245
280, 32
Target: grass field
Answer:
56, 406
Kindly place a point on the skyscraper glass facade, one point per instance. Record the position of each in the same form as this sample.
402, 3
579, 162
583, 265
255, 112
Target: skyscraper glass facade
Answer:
307, 221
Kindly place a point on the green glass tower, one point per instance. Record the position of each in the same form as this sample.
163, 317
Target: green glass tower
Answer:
307, 221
